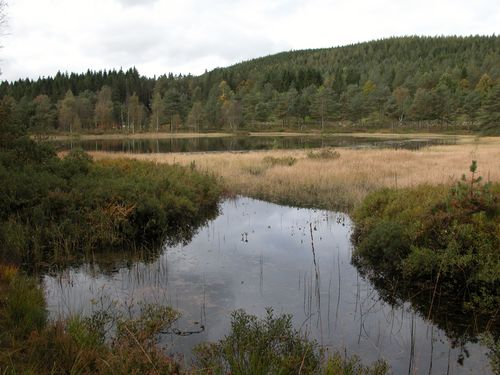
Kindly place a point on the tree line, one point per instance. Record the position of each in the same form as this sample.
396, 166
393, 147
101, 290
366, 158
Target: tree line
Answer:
448, 80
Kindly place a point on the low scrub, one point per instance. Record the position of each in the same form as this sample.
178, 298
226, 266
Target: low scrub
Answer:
271, 346
443, 239
54, 210
29, 344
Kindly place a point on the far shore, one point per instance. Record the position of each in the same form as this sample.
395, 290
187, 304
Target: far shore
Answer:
164, 135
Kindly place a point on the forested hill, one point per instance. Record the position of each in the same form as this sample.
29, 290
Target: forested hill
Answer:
446, 80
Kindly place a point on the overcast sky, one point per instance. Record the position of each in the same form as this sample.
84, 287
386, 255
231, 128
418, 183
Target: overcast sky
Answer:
161, 36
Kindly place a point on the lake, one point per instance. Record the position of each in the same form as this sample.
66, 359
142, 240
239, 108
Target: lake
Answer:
210, 144
255, 255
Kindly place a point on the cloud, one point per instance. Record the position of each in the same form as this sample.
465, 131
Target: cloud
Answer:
161, 36
136, 2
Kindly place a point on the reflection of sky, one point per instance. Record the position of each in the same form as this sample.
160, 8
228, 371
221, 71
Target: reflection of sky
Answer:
255, 255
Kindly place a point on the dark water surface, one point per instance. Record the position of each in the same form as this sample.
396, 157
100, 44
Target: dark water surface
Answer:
257, 254
208, 144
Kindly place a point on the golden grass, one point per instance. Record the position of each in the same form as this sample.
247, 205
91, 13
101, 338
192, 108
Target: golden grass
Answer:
338, 183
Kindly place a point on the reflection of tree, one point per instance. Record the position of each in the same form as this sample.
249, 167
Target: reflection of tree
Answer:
445, 310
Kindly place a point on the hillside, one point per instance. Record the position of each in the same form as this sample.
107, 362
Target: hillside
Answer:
451, 81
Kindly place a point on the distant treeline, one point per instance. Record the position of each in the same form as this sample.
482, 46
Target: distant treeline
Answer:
446, 80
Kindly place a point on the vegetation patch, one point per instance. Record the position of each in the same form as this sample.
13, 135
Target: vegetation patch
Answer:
445, 240
54, 210
284, 160
271, 346
30, 344
324, 153
255, 170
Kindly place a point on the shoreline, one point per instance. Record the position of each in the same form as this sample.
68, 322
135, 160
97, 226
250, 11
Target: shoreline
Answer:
184, 135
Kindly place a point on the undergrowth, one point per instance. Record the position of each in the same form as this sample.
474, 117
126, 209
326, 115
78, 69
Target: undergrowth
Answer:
30, 344
54, 210
443, 239
272, 346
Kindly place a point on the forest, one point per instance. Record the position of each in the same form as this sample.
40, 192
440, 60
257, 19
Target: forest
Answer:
451, 82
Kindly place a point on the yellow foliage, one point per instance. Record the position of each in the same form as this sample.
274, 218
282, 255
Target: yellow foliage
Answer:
7, 272
118, 212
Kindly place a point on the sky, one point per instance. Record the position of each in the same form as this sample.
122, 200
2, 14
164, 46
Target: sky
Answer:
42, 37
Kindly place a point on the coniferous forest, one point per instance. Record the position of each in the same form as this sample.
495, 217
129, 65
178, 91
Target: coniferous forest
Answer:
443, 82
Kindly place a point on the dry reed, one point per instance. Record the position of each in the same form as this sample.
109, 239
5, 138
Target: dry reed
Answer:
338, 183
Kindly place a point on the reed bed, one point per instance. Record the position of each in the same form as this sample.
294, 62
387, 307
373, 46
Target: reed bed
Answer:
336, 183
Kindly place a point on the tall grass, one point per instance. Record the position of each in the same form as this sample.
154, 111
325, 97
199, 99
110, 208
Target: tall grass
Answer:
29, 344
336, 183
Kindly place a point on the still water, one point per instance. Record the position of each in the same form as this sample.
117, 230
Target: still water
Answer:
256, 255
245, 143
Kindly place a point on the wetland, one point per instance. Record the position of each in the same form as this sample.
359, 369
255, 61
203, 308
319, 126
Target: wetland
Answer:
256, 255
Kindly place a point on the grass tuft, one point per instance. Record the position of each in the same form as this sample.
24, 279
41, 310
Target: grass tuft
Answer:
324, 153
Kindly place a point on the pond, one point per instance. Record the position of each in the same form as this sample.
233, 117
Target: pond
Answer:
209, 144
256, 255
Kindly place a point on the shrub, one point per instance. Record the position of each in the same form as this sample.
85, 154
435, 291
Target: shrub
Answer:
436, 235
271, 346
259, 346
386, 245
57, 210
338, 364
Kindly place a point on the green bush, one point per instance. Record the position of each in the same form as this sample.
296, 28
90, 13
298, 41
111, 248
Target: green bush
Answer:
386, 245
259, 346
271, 346
430, 236
55, 210
338, 364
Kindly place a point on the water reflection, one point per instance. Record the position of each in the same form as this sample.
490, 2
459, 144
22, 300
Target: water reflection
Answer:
257, 254
245, 143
